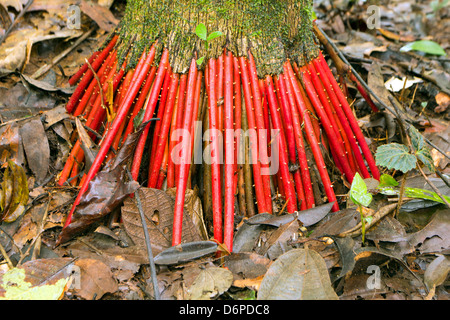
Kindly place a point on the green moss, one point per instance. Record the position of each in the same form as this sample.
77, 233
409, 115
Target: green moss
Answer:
273, 30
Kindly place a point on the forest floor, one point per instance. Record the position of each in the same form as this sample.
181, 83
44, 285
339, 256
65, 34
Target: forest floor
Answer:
404, 257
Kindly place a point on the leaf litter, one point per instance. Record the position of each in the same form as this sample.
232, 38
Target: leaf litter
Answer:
314, 254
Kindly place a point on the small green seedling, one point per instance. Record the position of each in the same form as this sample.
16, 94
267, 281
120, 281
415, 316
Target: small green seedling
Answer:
202, 33
362, 198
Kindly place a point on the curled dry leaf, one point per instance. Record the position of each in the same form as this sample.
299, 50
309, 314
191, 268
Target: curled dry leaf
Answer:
13, 193
9, 144
13, 52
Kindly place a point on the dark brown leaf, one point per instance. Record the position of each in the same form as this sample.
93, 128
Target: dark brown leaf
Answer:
36, 148
106, 191
158, 210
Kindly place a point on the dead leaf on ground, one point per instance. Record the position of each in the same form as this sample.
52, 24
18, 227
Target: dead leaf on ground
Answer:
36, 280
443, 101
437, 272
299, 274
185, 252
158, 210
210, 283
96, 279
13, 52
37, 149
248, 268
11, 145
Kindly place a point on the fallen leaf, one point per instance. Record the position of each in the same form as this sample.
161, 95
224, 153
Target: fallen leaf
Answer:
437, 272
100, 14
299, 274
186, 252
158, 210
37, 148
425, 46
247, 265
42, 279
396, 37
210, 283
12, 205
395, 84
248, 233
13, 51
433, 237
10, 143
96, 279
443, 101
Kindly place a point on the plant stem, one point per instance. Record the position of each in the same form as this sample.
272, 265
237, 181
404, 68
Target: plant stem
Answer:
363, 223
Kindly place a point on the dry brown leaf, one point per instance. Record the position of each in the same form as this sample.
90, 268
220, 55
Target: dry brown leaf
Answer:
393, 36
253, 284
443, 101
158, 209
96, 279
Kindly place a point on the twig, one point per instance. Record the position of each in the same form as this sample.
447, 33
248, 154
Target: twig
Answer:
37, 240
10, 239
21, 13
5, 255
95, 133
147, 242
433, 186
45, 68
98, 83
356, 230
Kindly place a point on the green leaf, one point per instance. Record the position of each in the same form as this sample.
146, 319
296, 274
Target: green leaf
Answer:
417, 139
200, 31
421, 151
358, 192
214, 35
426, 46
200, 60
439, 4
387, 181
395, 156
425, 194
139, 117
416, 193
424, 156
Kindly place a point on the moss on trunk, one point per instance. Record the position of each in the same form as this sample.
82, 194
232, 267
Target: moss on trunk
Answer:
273, 30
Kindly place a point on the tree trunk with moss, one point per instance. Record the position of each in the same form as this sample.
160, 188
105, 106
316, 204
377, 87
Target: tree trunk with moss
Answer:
266, 62
272, 30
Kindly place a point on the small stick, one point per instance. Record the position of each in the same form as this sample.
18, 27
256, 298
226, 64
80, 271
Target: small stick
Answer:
45, 68
5, 255
21, 13
147, 242
382, 212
